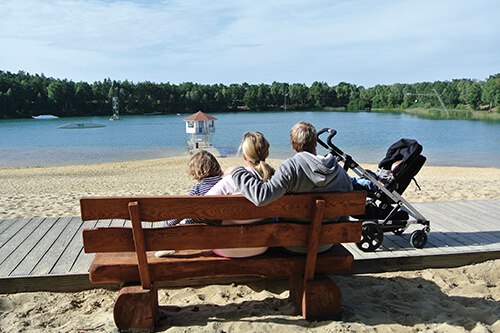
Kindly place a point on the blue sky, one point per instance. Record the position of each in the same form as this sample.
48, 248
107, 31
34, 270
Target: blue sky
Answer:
362, 42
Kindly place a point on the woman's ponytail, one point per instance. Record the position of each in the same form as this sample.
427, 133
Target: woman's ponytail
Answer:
256, 149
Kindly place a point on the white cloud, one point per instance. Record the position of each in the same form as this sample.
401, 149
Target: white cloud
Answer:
362, 42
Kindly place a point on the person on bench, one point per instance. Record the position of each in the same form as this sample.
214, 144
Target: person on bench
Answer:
255, 149
303, 173
206, 170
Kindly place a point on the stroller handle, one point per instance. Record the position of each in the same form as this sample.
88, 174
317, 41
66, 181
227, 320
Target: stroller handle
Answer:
329, 139
330, 146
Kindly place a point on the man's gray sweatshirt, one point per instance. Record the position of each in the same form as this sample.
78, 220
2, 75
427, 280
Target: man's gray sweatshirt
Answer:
303, 173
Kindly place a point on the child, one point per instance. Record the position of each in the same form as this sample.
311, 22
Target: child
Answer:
383, 176
205, 168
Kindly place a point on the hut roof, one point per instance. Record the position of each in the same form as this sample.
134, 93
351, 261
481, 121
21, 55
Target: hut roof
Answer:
200, 116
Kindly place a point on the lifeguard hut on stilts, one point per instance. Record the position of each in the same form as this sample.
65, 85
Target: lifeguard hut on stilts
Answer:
200, 128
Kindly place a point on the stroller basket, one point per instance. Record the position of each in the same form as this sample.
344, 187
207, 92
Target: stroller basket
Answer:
386, 209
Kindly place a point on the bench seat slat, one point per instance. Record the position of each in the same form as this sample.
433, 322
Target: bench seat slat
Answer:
122, 267
221, 207
185, 237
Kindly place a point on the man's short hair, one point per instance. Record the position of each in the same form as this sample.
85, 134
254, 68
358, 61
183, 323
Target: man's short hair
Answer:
303, 137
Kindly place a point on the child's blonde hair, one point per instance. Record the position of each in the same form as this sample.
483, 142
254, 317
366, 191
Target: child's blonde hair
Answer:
203, 165
303, 137
256, 149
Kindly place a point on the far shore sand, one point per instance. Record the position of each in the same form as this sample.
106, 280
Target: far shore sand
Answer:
463, 299
55, 191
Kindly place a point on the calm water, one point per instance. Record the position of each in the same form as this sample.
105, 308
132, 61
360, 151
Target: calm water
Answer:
364, 135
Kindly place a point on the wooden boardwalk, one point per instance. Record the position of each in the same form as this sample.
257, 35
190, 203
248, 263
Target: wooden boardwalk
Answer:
47, 253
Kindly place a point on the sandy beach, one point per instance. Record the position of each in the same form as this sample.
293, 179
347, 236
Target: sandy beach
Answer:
55, 191
463, 299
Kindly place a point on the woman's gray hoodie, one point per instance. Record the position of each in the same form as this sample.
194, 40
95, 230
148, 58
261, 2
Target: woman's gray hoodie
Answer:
303, 173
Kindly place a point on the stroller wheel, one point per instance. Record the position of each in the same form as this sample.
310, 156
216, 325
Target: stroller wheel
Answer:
371, 237
418, 239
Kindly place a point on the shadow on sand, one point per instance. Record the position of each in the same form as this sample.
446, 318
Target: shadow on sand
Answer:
367, 300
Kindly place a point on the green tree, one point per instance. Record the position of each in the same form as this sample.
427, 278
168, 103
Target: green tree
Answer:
62, 95
251, 98
492, 91
83, 98
319, 94
474, 95
342, 94
298, 95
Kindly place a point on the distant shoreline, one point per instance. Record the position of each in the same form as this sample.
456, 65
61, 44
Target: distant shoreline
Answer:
433, 113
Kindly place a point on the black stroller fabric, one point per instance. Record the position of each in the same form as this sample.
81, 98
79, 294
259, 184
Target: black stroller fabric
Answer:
405, 150
408, 152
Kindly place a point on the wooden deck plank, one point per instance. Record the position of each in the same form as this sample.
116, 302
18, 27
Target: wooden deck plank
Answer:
55, 253
466, 214
443, 239
454, 221
83, 260
117, 223
471, 212
22, 242
468, 233
71, 252
477, 209
51, 257
4, 225
12, 228
40, 249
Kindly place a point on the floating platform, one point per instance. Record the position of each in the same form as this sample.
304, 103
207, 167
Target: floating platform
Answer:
156, 114
80, 125
45, 116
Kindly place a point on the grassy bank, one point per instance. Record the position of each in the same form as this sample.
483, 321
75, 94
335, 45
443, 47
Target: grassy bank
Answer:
435, 113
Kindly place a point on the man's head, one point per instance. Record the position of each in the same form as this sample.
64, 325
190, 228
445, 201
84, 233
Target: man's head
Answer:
303, 137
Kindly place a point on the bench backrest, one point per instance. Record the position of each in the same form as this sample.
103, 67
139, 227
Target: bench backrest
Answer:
232, 207
313, 206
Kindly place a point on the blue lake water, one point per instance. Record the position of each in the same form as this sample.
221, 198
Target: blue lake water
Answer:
364, 135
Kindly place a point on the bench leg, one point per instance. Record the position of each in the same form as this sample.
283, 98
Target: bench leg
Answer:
321, 298
136, 308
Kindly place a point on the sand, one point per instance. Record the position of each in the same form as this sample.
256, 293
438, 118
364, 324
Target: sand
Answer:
460, 299
55, 191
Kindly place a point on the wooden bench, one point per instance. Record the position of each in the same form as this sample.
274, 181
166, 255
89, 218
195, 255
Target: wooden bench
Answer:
126, 255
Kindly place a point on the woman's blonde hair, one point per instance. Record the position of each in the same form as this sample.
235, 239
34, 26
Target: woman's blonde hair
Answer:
256, 149
303, 137
203, 165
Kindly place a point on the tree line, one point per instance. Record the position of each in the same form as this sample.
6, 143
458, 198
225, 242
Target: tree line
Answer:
24, 95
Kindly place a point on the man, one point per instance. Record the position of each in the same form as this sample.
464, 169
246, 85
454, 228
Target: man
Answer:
303, 173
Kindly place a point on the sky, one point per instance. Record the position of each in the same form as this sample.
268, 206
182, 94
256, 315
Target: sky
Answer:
362, 42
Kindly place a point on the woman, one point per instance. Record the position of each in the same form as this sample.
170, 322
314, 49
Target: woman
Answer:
255, 149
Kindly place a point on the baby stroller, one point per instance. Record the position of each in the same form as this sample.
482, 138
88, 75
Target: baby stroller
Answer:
386, 209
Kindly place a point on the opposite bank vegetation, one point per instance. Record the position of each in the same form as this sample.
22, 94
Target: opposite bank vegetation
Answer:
23, 95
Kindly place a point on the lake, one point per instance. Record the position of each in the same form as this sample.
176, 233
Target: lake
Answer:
364, 135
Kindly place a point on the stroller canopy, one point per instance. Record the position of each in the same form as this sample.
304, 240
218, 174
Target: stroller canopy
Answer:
408, 152
405, 150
